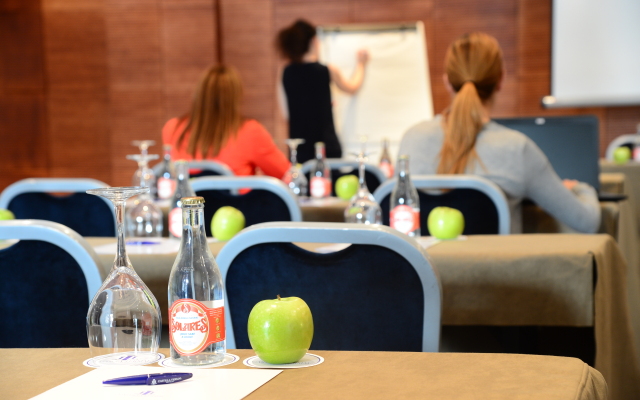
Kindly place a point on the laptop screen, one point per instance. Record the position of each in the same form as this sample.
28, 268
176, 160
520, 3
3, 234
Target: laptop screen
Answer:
571, 144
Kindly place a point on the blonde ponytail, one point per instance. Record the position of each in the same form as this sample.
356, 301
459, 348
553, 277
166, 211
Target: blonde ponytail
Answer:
474, 70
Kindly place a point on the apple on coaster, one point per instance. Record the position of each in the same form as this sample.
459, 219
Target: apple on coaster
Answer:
347, 186
227, 222
445, 223
280, 331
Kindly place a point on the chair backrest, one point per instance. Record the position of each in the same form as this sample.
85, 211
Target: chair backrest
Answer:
209, 168
628, 140
47, 281
481, 201
86, 214
382, 283
373, 175
268, 199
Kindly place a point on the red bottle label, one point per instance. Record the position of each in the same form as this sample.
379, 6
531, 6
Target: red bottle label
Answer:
405, 219
166, 188
193, 326
387, 168
175, 222
320, 187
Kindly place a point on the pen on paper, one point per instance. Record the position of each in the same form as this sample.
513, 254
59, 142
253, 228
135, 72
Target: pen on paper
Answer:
150, 379
141, 243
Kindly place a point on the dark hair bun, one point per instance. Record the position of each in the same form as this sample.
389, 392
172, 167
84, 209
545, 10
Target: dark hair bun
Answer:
293, 41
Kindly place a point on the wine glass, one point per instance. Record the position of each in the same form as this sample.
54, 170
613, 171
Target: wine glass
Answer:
123, 315
143, 216
363, 208
143, 171
294, 177
143, 145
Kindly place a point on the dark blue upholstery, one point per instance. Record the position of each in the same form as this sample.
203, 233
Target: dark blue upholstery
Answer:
362, 298
202, 172
371, 179
257, 206
43, 297
86, 214
480, 213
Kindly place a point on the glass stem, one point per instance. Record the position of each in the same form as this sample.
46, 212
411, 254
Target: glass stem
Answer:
121, 254
294, 156
361, 175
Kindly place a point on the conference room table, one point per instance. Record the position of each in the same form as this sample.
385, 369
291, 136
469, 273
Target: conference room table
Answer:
512, 280
25, 373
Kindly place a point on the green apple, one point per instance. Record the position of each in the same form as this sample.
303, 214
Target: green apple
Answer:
445, 223
280, 330
6, 214
346, 186
622, 155
226, 222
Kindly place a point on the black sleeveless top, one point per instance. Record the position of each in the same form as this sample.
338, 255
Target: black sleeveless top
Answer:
310, 113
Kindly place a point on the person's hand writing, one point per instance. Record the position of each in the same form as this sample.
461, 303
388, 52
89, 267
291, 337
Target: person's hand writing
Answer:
569, 183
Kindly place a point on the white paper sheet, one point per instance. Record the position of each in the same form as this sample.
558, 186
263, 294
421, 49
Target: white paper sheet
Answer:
221, 384
145, 246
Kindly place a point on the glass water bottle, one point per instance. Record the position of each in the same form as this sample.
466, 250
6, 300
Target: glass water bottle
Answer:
320, 174
166, 179
196, 295
386, 165
404, 204
183, 189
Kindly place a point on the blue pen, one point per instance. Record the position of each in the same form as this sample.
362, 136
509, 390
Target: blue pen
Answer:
150, 379
134, 242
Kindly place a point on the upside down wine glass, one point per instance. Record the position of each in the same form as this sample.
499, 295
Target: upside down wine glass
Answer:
143, 216
123, 315
363, 208
294, 178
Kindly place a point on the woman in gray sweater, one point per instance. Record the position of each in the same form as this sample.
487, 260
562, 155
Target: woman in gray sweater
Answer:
464, 140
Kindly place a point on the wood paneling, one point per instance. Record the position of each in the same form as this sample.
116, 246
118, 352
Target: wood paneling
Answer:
80, 79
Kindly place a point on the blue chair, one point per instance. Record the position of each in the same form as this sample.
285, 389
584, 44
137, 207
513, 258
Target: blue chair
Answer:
47, 281
373, 175
268, 200
379, 294
86, 214
481, 201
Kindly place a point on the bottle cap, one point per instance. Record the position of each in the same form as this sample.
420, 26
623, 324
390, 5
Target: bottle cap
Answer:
403, 157
192, 201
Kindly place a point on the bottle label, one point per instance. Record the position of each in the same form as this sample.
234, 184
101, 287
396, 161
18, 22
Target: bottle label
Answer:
320, 187
636, 153
193, 326
175, 222
405, 219
166, 188
387, 168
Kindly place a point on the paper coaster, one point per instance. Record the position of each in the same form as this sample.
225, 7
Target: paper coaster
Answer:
228, 359
129, 358
309, 360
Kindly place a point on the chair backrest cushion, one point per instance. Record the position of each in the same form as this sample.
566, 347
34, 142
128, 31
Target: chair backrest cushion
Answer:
43, 297
480, 213
257, 206
86, 214
364, 297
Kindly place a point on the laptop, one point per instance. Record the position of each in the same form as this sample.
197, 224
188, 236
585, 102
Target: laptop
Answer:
572, 145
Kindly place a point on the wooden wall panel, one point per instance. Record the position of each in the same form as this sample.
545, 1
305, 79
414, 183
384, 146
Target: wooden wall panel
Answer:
77, 82
24, 152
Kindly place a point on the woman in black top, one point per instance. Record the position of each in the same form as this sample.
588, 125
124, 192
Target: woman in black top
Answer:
304, 91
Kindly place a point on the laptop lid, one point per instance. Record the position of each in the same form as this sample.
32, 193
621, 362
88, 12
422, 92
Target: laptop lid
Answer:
572, 144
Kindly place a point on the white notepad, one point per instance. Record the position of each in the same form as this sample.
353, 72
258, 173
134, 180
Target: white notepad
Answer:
220, 384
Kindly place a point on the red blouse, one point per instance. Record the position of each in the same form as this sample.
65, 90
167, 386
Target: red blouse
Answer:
251, 147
